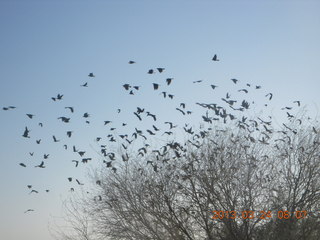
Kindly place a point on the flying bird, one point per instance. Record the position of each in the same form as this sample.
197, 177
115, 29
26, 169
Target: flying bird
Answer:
91, 75
30, 116
270, 95
126, 86
131, 62
234, 80
26, 133
243, 90
215, 58
213, 86
70, 108
198, 81
55, 139
41, 165
150, 71
79, 182
298, 102
138, 116
181, 111
84, 85
155, 86
160, 70
169, 80
29, 210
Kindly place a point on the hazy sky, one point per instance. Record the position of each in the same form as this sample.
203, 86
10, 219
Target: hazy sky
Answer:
49, 47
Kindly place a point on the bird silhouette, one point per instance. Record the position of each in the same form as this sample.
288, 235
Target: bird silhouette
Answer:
213, 86
26, 133
64, 119
160, 70
30, 116
91, 75
70, 179
126, 86
170, 96
152, 115
215, 58
270, 95
38, 141
198, 81
41, 165
55, 139
79, 182
155, 86
298, 102
69, 133
131, 62
243, 90
169, 80
181, 111
84, 85
29, 210
170, 124
22, 165
138, 116
234, 80
150, 71
70, 108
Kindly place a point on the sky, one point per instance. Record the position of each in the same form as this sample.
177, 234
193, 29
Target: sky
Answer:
50, 47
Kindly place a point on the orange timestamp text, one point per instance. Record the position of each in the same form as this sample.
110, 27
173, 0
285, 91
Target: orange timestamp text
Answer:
258, 214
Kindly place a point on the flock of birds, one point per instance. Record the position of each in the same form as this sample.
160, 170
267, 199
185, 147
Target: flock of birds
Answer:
221, 113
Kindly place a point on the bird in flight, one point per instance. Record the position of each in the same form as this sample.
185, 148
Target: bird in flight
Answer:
84, 85
169, 80
91, 75
41, 165
126, 86
243, 90
30, 115
215, 58
70, 108
59, 97
298, 102
29, 210
213, 86
234, 80
150, 71
131, 62
55, 139
270, 95
155, 86
198, 81
26, 133
160, 70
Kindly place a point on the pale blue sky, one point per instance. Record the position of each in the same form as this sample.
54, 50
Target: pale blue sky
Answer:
49, 47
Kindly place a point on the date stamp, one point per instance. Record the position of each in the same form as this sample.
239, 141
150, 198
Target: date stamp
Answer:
258, 214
